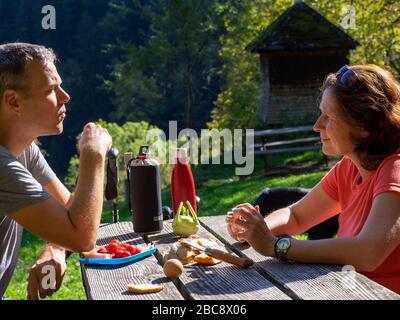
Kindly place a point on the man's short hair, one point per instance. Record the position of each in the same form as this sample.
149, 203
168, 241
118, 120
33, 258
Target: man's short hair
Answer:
13, 60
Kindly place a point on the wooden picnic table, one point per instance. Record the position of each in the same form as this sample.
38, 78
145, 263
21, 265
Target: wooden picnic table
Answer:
266, 279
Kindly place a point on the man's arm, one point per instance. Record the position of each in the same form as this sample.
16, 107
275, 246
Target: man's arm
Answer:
74, 228
52, 255
57, 189
59, 192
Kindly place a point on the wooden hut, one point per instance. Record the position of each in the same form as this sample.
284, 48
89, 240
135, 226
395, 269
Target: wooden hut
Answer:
296, 52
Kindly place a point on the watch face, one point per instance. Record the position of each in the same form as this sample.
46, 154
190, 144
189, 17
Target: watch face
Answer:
283, 244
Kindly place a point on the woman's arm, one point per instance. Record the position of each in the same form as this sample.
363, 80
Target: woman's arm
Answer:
366, 251
314, 208
309, 211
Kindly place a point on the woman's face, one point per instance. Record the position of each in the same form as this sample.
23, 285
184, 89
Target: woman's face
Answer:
334, 131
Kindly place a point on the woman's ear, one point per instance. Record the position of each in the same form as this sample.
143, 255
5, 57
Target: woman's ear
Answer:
364, 133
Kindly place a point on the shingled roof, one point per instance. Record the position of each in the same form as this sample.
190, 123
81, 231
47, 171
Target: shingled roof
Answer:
300, 28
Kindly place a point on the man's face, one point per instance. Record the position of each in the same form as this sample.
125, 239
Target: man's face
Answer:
43, 105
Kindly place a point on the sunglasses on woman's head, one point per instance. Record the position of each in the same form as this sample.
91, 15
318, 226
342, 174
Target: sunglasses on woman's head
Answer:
346, 76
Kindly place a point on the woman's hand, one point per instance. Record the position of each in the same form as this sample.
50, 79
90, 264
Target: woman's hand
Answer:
232, 229
253, 229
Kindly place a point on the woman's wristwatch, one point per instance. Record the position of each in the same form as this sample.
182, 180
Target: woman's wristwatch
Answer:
281, 247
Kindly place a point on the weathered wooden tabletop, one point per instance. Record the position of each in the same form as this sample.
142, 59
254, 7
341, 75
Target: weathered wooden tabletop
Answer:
267, 279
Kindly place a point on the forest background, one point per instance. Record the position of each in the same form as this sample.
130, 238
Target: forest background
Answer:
148, 62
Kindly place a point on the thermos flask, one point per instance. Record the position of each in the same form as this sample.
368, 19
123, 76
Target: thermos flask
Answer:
145, 193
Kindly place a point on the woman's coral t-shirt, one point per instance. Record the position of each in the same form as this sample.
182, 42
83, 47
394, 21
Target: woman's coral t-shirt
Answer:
342, 183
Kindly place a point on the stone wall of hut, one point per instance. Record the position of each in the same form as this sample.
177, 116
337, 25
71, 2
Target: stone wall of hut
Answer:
291, 85
292, 105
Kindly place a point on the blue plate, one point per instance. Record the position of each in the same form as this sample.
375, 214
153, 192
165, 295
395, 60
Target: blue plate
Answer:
117, 261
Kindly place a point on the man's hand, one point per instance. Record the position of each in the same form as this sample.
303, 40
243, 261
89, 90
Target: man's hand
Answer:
95, 140
47, 273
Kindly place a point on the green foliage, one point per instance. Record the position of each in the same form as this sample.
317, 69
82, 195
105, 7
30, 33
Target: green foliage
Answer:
73, 170
376, 27
128, 138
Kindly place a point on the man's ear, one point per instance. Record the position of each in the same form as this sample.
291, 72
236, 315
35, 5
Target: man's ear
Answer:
11, 101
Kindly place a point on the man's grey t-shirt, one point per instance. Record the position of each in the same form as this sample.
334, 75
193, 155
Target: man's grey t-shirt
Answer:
21, 185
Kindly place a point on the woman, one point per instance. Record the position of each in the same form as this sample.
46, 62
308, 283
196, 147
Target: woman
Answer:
360, 120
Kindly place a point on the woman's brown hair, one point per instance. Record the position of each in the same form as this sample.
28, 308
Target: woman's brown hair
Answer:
372, 104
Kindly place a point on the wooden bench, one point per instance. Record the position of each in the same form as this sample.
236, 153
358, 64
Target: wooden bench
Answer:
268, 146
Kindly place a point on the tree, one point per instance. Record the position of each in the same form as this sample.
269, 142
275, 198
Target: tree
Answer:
172, 75
376, 27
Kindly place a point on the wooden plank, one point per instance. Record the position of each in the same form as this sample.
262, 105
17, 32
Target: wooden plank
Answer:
272, 132
305, 281
222, 281
111, 282
284, 142
289, 142
284, 150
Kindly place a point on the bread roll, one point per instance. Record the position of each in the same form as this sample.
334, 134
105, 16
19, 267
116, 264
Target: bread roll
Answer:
145, 288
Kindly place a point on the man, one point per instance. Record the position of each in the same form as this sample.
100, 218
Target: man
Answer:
32, 104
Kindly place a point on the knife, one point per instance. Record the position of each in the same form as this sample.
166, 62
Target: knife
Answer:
221, 255
127, 158
111, 190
